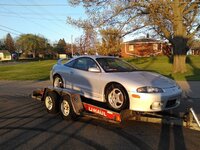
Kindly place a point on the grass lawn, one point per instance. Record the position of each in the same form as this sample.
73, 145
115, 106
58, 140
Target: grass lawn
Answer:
163, 66
39, 70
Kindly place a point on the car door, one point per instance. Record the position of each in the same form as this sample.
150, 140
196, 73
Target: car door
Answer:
84, 81
66, 73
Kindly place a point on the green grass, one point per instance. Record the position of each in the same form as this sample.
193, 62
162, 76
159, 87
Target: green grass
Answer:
163, 66
39, 70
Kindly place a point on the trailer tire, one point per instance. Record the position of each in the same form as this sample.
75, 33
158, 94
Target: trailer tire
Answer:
51, 102
66, 109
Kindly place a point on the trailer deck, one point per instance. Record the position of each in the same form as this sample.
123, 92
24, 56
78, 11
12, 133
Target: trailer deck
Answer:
72, 105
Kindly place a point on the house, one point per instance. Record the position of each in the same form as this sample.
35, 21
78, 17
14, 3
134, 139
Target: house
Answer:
195, 51
5, 55
62, 56
144, 47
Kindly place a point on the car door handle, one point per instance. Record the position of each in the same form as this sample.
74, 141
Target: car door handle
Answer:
71, 72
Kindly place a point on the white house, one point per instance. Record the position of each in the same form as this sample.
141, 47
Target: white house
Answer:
5, 55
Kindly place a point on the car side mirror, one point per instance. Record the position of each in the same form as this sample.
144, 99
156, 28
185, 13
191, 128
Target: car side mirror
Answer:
94, 69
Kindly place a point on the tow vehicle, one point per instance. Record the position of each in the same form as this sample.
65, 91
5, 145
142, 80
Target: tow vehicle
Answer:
71, 106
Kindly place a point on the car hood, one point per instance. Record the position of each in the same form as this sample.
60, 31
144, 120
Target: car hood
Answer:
145, 78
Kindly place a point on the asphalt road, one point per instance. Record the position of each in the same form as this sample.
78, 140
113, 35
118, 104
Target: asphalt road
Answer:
25, 124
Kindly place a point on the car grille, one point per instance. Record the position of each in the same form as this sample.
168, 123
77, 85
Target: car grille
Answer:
171, 103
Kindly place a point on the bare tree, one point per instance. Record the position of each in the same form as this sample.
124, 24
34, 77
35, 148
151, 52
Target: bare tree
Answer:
80, 43
87, 41
110, 42
174, 20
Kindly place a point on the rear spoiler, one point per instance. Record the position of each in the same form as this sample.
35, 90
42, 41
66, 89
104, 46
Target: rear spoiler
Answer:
59, 62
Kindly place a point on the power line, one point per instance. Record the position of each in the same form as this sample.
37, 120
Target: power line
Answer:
35, 5
64, 4
33, 18
33, 14
52, 15
11, 29
41, 13
8, 31
40, 25
36, 12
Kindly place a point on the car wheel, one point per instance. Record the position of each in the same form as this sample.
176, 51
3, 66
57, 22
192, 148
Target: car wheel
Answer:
117, 98
51, 102
66, 109
58, 82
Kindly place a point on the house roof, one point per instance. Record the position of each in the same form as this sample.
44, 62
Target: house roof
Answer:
5, 52
144, 40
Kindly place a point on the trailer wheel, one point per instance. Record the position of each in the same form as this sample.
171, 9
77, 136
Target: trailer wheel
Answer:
66, 109
51, 102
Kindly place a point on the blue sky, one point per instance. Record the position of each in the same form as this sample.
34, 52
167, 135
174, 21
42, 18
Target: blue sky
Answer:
48, 20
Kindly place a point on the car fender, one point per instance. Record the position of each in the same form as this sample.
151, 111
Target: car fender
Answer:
114, 82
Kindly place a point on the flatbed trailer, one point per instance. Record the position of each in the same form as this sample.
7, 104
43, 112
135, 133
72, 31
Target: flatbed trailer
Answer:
72, 105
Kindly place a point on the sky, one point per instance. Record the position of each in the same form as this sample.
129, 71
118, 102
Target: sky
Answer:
48, 19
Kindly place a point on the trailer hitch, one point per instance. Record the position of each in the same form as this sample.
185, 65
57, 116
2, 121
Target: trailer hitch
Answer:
189, 117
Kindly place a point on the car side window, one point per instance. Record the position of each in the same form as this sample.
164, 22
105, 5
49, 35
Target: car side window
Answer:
81, 64
91, 64
70, 64
84, 64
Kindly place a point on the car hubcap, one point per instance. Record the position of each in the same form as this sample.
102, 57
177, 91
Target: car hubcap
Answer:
48, 103
65, 108
116, 98
57, 82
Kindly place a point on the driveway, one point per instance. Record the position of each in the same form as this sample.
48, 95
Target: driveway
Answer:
25, 124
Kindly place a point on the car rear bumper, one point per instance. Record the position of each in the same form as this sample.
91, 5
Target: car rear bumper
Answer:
51, 76
148, 102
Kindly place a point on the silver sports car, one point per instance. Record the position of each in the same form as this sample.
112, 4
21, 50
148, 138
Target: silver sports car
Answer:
117, 83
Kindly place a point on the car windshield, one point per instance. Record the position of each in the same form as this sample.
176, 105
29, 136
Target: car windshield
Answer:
115, 65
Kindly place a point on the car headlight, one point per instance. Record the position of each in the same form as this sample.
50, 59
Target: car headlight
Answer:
149, 89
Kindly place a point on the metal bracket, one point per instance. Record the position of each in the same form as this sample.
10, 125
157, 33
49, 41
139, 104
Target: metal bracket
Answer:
189, 118
195, 116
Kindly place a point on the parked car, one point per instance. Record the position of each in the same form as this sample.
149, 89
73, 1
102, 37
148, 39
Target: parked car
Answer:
115, 82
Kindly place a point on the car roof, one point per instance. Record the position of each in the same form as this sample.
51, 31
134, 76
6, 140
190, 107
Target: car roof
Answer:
94, 56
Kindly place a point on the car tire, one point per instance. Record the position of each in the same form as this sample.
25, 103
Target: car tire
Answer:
117, 97
66, 109
51, 102
58, 81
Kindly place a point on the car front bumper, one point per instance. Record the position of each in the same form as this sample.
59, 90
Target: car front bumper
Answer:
155, 102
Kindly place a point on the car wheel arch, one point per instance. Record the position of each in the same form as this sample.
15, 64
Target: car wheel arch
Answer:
58, 75
112, 83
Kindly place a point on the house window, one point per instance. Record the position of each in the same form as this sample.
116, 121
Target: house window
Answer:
155, 47
131, 47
